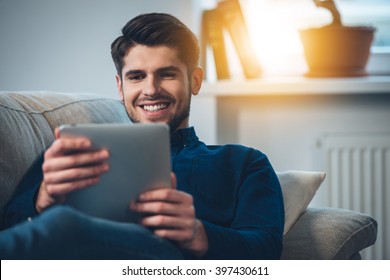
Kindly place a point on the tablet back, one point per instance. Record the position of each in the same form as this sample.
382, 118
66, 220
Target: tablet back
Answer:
139, 160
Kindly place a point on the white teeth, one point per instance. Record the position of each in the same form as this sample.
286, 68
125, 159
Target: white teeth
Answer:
154, 108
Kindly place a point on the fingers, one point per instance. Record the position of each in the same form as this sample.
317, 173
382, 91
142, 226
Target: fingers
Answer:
74, 160
178, 235
64, 146
171, 215
70, 164
173, 180
164, 208
60, 181
168, 222
164, 202
64, 175
167, 195
170, 212
61, 189
65, 181
57, 132
50, 194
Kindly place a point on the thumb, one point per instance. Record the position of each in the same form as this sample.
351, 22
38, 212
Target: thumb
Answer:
57, 133
173, 180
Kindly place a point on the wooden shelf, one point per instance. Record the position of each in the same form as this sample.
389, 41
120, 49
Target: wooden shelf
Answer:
297, 86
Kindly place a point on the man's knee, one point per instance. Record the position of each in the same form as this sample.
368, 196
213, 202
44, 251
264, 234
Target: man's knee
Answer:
63, 219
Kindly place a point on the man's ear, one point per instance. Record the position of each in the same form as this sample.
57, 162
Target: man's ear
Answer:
119, 87
196, 80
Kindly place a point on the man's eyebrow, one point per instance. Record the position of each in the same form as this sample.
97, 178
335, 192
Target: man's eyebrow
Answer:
159, 70
169, 68
133, 72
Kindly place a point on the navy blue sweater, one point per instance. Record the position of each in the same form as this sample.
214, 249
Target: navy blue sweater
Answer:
236, 193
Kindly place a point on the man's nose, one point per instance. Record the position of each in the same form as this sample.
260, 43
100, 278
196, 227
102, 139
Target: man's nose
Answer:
152, 86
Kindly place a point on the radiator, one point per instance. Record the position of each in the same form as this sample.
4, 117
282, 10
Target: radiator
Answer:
358, 178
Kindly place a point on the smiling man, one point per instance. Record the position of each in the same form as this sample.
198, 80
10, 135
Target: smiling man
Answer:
155, 86
225, 202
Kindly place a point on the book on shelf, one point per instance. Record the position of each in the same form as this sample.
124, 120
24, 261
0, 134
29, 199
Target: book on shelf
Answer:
213, 37
234, 21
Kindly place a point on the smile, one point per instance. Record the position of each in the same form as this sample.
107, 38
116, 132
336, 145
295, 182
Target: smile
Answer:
155, 108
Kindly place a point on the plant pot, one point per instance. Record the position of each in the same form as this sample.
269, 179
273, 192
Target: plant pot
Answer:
336, 50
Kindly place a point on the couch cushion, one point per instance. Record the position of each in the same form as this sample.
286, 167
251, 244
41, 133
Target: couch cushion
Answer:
27, 123
329, 233
298, 188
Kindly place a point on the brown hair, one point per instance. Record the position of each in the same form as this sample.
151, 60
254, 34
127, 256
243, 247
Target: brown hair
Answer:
156, 29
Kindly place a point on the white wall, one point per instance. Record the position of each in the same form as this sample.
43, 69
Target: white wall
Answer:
59, 45
289, 127
65, 45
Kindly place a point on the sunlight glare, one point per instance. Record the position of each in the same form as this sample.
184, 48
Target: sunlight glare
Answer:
274, 30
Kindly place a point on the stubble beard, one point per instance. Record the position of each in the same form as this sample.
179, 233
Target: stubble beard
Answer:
175, 120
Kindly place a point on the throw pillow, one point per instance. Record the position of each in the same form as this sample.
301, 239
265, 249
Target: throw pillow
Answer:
298, 188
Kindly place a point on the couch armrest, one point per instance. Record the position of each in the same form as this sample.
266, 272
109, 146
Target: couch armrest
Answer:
329, 233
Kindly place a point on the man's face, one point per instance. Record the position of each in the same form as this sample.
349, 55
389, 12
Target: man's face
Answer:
156, 87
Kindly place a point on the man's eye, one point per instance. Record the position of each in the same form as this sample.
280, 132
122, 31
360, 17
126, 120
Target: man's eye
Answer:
136, 77
168, 75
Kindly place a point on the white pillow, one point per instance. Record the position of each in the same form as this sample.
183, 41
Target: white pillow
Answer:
298, 188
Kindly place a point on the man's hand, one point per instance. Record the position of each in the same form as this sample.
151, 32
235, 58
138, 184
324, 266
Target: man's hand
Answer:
171, 215
68, 165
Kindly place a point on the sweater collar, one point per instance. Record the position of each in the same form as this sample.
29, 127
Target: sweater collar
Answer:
183, 137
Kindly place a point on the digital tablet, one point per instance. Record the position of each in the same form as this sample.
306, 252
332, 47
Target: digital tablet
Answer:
139, 160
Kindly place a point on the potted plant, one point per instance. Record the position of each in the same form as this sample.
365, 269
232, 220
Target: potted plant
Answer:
336, 50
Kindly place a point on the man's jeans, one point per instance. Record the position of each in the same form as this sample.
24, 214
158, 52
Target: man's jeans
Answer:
64, 233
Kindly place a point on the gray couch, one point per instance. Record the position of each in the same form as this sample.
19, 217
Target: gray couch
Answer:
27, 121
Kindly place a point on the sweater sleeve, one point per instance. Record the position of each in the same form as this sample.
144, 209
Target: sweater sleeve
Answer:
256, 231
21, 207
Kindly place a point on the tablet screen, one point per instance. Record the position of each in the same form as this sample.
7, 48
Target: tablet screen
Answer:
139, 160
